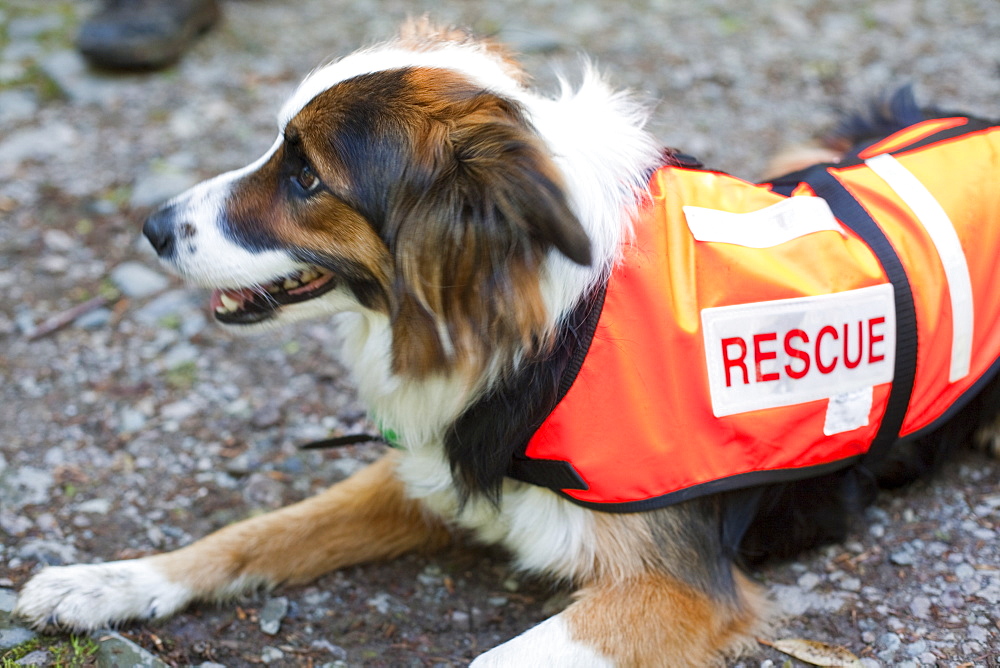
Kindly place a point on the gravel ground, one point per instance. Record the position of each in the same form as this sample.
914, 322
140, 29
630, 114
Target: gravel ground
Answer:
139, 426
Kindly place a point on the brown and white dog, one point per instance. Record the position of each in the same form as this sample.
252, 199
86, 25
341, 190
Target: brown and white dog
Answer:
452, 218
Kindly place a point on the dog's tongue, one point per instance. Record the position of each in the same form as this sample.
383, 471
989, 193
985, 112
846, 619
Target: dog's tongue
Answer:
237, 297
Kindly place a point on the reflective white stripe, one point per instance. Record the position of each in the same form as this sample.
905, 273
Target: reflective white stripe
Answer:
775, 224
942, 233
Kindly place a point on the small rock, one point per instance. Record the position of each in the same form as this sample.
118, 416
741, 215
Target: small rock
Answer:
48, 552
263, 491
917, 648
271, 654
39, 657
888, 644
808, 581
338, 652
26, 486
117, 650
59, 241
70, 73
97, 506
268, 415
96, 319
920, 606
380, 602
171, 303
850, 584
157, 186
13, 636
17, 105
272, 614
8, 599
903, 557
136, 280
37, 143
965, 572
130, 420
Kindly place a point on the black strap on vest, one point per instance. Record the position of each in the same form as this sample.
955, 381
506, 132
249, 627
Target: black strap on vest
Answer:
853, 215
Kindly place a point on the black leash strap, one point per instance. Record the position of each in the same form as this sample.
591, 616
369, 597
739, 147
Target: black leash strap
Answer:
342, 441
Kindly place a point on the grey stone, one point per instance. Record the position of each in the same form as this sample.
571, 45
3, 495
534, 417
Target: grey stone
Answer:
39, 657
271, 654
180, 303
79, 83
12, 636
272, 614
116, 650
26, 486
97, 506
8, 599
338, 652
96, 319
157, 186
130, 420
48, 552
136, 280
33, 26
38, 143
920, 606
17, 105
902, 557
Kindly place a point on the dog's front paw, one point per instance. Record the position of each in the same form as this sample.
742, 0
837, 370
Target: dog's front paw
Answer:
89, 597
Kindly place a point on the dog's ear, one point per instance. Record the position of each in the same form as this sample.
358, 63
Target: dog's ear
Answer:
483, 210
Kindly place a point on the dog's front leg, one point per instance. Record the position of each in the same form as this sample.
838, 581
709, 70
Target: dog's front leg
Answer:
364, 518
651, 620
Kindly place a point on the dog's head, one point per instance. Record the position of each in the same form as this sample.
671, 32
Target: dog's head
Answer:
407, 181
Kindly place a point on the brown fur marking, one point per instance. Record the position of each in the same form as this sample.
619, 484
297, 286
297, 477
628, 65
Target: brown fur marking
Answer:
363, 518
655, 621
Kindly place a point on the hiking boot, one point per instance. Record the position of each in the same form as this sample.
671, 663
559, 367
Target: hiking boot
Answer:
144, 34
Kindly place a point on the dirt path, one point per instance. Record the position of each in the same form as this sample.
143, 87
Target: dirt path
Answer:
139, 426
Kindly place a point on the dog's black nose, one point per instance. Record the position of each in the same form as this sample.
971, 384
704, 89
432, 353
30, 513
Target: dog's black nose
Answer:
159, 229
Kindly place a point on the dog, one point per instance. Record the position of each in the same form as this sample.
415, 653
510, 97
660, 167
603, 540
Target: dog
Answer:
634, 373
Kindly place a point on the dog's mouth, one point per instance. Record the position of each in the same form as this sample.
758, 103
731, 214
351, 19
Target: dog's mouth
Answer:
250, 305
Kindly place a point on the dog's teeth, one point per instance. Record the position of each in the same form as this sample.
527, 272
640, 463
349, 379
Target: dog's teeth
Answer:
273, 288
290, 284
228, 303
309, 275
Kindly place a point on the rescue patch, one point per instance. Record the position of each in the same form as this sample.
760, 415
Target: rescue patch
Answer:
791, 351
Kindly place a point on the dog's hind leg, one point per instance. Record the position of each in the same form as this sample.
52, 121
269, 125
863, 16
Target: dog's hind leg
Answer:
646, 621
364, 518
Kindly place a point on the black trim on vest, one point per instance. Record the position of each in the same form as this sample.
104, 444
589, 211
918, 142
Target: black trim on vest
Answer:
727, 484
557, 474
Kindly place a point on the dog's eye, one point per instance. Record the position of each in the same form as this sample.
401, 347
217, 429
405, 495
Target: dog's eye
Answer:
307, 179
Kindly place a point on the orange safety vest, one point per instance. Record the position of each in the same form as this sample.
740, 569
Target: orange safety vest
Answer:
763, 333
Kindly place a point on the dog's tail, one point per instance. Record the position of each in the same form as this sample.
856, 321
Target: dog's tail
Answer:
884, 116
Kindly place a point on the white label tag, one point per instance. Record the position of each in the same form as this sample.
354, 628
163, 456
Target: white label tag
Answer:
790, 351
847, 412
788, 219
